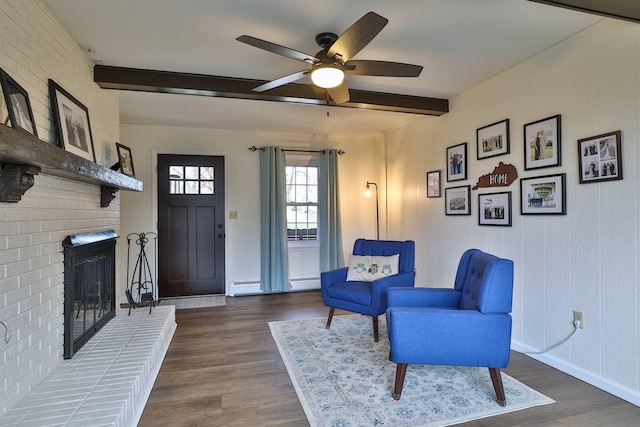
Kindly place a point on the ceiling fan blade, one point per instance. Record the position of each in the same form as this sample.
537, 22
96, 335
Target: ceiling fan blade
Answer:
357, 36
281, 81
277, 49
340, 93
382, 68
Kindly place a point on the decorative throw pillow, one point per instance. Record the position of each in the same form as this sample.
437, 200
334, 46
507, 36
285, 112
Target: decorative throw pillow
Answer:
383, 266
367, 268
358, 268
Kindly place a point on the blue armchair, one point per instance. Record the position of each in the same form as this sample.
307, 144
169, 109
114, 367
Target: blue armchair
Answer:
469, 325
364, 297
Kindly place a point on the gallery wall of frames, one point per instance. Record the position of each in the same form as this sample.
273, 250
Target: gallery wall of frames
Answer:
599, 159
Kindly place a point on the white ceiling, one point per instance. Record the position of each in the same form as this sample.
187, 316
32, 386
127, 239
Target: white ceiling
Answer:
460, 43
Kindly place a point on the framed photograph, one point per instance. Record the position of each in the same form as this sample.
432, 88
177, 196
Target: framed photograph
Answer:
493, 140
72, 122
18, 105
545, 195
433, 184
542, 141
457, 162
494, 209
457, 200
600, 157
125, 161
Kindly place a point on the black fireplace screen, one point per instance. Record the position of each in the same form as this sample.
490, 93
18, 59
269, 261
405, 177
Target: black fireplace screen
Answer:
89, 286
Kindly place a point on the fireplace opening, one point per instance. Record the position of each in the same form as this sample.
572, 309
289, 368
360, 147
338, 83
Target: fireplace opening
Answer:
89, 286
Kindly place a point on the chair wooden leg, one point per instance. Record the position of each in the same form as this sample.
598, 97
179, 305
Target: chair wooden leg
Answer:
331, 311
496, 378
401, 371
375, 328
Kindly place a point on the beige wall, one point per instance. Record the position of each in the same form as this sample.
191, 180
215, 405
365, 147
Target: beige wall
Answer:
139, 210
586, 260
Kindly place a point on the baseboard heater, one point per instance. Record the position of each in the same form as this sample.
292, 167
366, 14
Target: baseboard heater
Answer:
253, 288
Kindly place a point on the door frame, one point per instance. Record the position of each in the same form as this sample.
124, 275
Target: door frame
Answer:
154, 200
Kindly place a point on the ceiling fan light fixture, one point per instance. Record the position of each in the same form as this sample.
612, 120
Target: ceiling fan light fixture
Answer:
327, 76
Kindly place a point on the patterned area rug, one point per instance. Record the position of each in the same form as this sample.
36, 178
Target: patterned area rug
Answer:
195, 302
343, 378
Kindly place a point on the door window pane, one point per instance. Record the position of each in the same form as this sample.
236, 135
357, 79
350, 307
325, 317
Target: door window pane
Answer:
191, 187
191, 180
192, 172
176, 187
206, 173
206, 187
176, 172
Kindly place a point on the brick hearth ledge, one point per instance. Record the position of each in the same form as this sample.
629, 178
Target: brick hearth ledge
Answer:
108, 381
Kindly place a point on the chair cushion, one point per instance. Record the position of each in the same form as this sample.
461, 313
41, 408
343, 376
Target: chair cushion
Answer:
367, 268
356, 292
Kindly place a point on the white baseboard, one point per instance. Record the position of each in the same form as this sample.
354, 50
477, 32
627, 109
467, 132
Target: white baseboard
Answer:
253, 288
631, 396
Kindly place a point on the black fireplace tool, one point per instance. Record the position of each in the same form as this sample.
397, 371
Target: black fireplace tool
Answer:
140, 290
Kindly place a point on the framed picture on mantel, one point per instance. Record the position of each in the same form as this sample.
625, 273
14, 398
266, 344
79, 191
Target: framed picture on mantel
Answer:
72, 122
18, 105
125, 160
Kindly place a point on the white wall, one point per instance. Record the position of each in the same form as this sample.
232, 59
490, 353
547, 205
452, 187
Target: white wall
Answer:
33, 48
139, 210
586, 260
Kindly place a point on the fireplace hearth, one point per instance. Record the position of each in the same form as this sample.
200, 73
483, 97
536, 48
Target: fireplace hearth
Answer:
89, 286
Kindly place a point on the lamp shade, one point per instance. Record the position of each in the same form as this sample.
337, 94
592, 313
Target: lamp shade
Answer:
327, 76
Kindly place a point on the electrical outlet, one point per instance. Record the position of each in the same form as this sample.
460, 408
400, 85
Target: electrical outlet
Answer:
577, 315
233, 214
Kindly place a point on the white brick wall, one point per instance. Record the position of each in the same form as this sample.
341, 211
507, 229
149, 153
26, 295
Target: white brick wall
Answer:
34, 48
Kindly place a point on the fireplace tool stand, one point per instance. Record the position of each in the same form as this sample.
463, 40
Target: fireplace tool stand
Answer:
140, 291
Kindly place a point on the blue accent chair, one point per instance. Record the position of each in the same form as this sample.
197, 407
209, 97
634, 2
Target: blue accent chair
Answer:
368, 298
468, 325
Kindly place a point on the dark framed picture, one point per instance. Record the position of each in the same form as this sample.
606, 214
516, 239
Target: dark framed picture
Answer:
457, 162
457, 200
494, 209
542, 142
18, 105
433, 184
543, 195
125, 160
600, 157
72, 122
493, 139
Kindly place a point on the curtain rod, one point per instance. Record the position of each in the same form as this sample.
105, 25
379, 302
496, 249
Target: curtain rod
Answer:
254, 149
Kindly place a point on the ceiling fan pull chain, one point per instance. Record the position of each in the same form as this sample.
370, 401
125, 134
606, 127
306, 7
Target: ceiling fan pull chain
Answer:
327, 103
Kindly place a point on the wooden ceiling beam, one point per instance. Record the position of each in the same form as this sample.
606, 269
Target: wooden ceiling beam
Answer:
121, 78
628, 10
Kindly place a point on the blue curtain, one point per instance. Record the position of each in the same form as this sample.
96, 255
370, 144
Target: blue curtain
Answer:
329, 226
274, 262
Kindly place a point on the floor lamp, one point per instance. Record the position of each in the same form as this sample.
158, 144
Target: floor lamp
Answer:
367, 193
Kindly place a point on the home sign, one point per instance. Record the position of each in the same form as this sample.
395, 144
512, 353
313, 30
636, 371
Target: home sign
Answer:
502, 176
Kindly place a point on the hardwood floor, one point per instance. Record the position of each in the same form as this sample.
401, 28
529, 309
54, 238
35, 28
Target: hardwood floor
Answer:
223, 369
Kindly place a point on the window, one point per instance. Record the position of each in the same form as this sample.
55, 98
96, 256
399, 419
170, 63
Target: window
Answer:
302, 198
190, 180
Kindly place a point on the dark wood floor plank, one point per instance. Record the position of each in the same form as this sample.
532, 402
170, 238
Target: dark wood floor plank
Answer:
224, 369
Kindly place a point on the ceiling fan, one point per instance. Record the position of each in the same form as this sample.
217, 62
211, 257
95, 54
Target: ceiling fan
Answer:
329, 65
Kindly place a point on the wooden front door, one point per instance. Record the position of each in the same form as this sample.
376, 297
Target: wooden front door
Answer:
191, 235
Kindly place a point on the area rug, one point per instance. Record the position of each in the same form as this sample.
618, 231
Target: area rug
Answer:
344, 378
195, 302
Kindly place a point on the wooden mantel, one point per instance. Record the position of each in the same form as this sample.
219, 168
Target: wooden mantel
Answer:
22, 156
